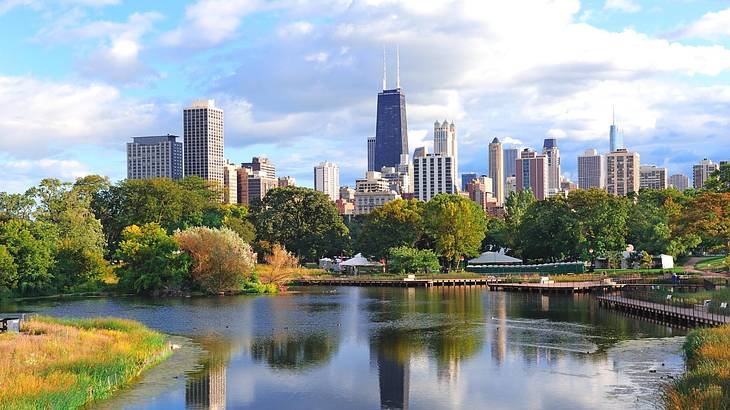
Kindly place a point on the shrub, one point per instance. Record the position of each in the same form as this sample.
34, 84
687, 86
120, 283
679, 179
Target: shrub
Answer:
282, 265
411, 260
221, 259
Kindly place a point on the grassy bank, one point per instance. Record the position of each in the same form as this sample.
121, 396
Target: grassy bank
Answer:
716, 263
64, 364
706, 385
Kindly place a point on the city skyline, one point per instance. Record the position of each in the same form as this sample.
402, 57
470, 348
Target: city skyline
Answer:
114, 71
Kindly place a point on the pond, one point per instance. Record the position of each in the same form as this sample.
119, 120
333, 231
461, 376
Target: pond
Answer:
390, 348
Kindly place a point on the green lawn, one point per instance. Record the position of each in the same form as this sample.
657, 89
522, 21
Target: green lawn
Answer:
712, 264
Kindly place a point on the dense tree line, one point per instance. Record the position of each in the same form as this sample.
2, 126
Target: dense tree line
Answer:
160, 235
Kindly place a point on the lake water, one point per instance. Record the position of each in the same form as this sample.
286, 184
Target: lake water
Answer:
370, 348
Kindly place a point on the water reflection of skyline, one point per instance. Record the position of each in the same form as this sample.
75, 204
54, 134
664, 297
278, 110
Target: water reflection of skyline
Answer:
393, 348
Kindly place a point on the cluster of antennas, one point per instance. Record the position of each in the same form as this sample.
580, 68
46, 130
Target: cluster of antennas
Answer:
397, 69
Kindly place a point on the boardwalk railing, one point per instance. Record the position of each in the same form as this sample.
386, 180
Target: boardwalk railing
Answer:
678, 311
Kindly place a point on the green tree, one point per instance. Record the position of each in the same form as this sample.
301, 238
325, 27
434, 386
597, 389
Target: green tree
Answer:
496, 236
172, 204
515, 207
601, 219
397, 223
549, 231
719, 181
221, 260
707, 216
8, 271
235, 218
81, 247
151, 261
303, 220
31, 245
405, 259
651, 225
457, 226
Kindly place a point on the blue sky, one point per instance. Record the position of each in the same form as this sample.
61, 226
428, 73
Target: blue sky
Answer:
298, 80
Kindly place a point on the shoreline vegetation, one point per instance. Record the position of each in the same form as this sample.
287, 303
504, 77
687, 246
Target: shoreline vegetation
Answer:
706, 383
69, 363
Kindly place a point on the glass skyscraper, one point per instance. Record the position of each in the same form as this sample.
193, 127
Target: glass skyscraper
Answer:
391, 130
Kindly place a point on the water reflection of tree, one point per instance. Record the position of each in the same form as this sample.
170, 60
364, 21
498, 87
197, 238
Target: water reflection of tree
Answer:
294, 351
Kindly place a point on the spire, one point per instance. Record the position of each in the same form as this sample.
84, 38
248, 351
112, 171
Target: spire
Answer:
385, 82
397, 67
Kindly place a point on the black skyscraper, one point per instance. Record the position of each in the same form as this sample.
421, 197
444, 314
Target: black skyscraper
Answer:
391, 129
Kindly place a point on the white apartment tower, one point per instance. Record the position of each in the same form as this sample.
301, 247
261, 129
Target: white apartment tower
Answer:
444, 142
432, 175
203, 141
327, 179
591, 170
551, 151
701, 172
496, 169
653, 177
230, 183
622, 172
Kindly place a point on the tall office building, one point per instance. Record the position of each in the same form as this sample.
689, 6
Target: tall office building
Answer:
468, 177
532, 173
679, 182
616, 140
496, 168
261, 164
509, 156
230, 183
701, 172
391, 129
259, 183
653, 177
444, 142
242, 174
432, 175
371, 153
551, 151
327, 179
155, 157
372, 192
622, 172
286, 181
203, 141
480, 191
591, 170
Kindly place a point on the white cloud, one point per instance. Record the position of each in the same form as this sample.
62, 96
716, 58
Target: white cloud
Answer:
711, 26
627, 6
21, 174
209, 22
39, 116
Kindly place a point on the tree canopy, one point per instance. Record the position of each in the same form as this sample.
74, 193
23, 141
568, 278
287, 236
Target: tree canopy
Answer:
456, 225
398, 223
302, 220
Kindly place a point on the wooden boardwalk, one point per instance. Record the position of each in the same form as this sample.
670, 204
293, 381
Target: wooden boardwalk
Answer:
689, 317
557, 287
416, 283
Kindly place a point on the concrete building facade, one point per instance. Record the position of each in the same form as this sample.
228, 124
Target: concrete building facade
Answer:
532, 173
155, 157
203, 141
653, 177
679, 182
432, 175
496, 169
327, 179
622, 172
701, 172
591, 170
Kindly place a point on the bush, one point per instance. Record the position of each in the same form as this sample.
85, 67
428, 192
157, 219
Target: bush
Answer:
411, 260
282, 265
221, 259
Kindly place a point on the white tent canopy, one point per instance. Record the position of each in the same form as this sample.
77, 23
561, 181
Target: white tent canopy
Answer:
359, 260
494, 258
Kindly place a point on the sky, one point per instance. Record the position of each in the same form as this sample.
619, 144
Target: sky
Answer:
298, 80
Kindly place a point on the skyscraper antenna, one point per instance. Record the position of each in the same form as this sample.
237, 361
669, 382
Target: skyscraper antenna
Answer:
385, 83
613, 115
397, 66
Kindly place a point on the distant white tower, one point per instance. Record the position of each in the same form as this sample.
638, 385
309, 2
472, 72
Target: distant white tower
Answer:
444, 143
327, 179
203, 141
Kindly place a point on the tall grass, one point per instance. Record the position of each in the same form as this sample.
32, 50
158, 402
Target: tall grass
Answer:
706, 385
66, 364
